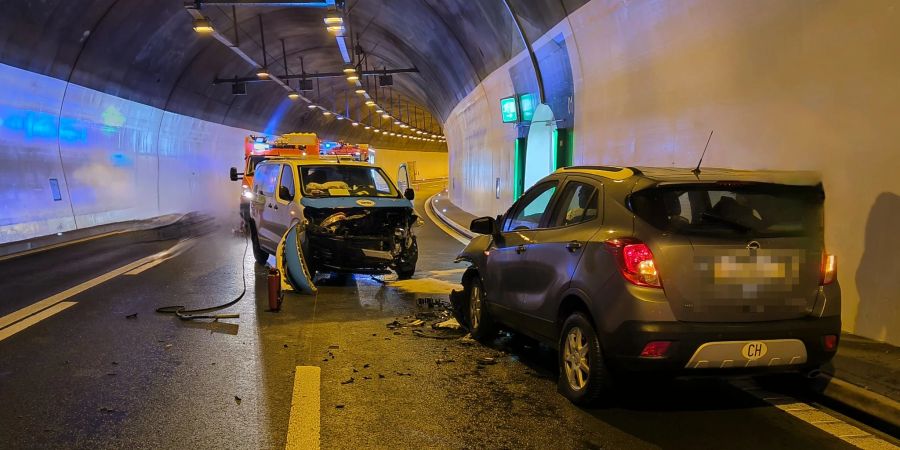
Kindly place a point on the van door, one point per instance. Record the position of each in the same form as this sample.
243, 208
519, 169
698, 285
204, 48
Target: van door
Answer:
284, 208
265, 180
734, 252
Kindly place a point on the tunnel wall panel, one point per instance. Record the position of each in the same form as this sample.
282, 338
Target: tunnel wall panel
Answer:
785, 85
112, 159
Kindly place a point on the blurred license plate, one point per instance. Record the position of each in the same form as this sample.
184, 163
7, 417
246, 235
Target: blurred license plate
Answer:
729, 268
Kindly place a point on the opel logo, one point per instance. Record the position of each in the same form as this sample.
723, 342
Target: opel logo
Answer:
753, 245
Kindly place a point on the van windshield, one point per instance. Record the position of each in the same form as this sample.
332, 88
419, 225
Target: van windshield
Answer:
345, 181
732, 209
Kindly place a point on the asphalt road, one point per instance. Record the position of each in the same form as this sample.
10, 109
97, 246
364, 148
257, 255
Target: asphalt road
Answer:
90, 376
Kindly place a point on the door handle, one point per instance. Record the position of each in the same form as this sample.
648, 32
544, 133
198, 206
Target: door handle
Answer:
574, 245
521, 249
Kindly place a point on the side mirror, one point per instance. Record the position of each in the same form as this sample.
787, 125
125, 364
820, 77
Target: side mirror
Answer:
234, 174
409, 194
284, 193
483, 225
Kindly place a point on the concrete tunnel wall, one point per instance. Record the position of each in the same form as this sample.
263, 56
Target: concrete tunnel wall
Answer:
785, 85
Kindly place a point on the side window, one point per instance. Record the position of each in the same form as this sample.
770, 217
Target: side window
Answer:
531, 208
577, 204
267, 175
287, 182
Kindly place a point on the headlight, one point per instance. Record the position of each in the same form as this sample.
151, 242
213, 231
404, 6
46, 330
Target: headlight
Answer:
247, 194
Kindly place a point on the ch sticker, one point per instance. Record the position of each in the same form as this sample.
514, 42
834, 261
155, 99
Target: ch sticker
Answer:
754, 350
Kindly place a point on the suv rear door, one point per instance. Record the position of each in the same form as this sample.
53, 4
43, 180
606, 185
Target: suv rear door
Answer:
734, 252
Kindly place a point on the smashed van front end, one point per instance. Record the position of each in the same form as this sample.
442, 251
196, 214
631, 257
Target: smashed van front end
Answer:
362, 235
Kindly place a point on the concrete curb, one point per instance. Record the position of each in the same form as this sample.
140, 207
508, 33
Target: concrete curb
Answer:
862, 399
464, 231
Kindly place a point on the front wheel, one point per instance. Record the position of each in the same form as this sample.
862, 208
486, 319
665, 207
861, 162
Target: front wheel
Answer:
406, 267
479, 320
258, 253
584, 378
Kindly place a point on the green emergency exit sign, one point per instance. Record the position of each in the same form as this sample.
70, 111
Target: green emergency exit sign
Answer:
509, 109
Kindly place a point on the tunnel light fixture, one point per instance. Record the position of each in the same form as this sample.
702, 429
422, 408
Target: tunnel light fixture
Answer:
326, 112
403, 125
349, 69
370, 102
386, 116
293, 95
396, 122
203, 26
263, 73
353, 78
312, 106
379, 111
332, 19
367, 127
339, 117
360, 91
355, 124
336, 29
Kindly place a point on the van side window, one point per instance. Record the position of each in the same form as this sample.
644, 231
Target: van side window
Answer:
266, 176
287, 182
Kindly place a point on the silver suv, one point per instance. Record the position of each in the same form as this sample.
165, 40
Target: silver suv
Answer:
659, 269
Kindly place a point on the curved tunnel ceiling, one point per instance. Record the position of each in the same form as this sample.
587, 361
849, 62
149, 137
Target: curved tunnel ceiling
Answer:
148, 52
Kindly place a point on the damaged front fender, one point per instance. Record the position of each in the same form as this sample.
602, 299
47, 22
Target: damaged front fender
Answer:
292, 262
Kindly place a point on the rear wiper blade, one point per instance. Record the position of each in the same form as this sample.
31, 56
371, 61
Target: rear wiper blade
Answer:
724, 221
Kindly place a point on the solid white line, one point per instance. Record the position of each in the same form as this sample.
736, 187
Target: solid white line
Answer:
440, 224
19, 326
837, 428
303, 425
16, 316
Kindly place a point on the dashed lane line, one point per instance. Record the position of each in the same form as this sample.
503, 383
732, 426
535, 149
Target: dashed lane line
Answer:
8, 321
304, 422
816, 417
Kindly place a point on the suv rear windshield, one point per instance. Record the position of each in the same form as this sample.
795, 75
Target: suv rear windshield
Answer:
732, 209
345, 181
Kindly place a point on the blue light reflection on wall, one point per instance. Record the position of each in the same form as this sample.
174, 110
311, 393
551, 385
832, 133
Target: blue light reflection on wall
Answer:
275, 120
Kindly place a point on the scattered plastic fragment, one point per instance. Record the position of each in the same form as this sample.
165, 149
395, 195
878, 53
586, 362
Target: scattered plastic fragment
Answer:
366, 366
348, 381
380, 376
449, 324
131, 316
486, 361
339, 406
417, 323
403, 374
237, 399
333, 346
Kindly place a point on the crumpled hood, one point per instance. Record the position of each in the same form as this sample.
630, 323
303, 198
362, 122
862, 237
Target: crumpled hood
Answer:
355, 202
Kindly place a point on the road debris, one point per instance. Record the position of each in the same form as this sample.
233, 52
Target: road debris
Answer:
348, 381
486, 361
449, 324
443, 361
403, 374
417, 323
334, 347
131, 316
366, 365
237, 399
380, 375
339, 406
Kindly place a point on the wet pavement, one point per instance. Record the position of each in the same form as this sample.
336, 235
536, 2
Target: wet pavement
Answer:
98, 376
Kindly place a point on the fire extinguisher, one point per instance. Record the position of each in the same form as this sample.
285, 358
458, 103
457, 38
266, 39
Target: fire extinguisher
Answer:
275, 295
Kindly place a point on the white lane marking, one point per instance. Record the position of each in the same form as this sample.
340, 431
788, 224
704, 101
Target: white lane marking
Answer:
303, 425
175, 251
816, 417
19, 326
444, 227
34, 308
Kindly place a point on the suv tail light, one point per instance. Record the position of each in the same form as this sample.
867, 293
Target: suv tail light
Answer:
829, 269
635, 262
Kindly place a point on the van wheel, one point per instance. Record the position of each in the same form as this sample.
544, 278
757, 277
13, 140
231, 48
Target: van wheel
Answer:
480, 324
258, 253
584, 378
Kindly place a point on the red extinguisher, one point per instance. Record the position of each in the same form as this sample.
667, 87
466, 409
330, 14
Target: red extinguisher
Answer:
275, 295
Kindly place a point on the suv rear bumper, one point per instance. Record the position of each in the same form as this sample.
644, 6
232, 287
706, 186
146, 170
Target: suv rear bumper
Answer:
623, 346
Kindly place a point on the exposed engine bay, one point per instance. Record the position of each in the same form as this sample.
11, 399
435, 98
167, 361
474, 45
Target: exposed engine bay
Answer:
361, 239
